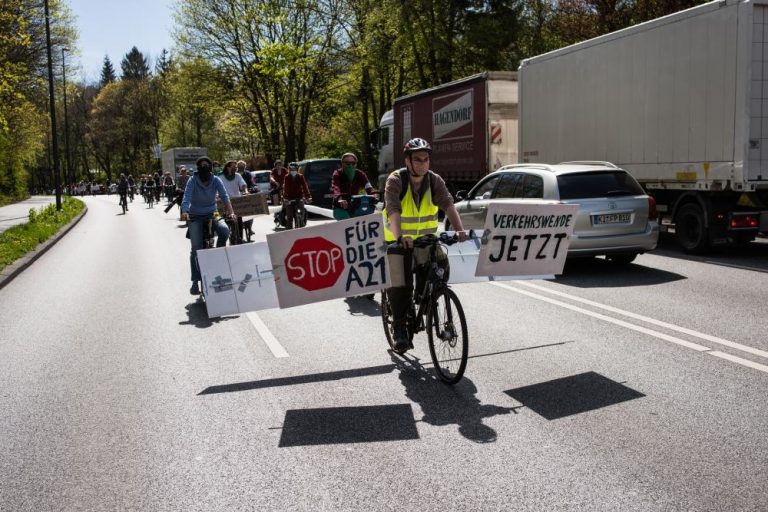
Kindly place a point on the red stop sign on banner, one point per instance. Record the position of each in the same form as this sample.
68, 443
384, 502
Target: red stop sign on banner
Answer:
314, 263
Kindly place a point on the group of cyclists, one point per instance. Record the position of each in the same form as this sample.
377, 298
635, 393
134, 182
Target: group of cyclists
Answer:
413, 197
151, 187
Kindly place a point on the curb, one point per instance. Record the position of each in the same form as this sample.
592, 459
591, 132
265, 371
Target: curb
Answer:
10, 272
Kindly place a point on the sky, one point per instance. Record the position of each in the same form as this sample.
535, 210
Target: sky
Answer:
113, 27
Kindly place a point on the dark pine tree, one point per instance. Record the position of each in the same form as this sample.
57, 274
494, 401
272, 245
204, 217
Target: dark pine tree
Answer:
135, 65
107, 72
164, 63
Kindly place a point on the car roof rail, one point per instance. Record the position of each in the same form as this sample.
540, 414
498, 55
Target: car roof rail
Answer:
545, 167
590, 162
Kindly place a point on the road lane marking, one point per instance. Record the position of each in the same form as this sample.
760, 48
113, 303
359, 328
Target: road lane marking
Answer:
622, 323
266, 335
740, 267
672, 327
739, 360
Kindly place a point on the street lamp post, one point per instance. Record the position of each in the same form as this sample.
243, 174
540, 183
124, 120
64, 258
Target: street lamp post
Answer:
67, 159
54, 140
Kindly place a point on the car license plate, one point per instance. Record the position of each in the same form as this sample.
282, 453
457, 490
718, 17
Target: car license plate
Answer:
612, 218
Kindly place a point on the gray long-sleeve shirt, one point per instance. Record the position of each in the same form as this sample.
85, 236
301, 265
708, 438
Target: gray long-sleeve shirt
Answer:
393, 187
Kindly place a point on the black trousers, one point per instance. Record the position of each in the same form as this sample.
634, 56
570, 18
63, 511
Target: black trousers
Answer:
400, 297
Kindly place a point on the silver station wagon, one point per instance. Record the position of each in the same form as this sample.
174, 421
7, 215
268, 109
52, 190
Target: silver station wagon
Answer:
616, 218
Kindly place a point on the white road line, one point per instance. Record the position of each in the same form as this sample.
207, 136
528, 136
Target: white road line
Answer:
622, 323
739, 360
741, 267
272, 343
672, 327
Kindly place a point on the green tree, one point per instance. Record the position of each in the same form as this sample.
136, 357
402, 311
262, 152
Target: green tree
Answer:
107, 72
23, 95
278, 54
135, 65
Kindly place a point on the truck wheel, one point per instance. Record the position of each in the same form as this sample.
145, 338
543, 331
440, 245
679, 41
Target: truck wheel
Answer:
691, 230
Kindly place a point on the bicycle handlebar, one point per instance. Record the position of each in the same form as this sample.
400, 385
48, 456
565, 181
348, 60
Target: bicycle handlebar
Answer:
443, 238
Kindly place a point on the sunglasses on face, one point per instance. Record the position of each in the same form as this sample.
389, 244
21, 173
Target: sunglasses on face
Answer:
420, 159
349, 163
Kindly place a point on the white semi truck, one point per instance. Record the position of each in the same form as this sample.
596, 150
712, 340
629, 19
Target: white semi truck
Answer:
681, 102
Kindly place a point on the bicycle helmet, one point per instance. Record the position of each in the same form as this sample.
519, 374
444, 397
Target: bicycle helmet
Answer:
417, 144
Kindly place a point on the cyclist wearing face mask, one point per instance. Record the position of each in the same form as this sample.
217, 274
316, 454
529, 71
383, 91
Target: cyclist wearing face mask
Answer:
199, 205
346, 182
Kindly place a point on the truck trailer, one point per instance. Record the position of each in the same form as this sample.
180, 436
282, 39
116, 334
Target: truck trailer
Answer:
471, 124
681, 102
174, 158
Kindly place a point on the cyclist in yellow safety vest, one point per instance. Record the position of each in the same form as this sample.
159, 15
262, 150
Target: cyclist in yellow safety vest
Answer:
413, 197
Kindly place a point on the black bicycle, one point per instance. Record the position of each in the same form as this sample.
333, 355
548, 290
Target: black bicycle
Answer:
299, 219
149, 197
437, 309
209, 242
124, 201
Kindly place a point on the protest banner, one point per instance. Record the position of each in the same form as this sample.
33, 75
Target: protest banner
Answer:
330, 261
237, 279
526, 239
247, 205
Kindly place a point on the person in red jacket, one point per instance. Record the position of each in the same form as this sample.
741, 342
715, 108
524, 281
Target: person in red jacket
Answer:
278, 176
294, 187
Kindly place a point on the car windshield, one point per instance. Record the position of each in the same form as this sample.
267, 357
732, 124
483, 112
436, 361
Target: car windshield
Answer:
586, 185
321, 172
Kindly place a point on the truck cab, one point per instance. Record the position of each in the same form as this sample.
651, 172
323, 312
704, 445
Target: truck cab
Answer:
382, 139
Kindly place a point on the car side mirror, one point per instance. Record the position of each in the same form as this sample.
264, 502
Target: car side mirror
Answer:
461, 195
487, 195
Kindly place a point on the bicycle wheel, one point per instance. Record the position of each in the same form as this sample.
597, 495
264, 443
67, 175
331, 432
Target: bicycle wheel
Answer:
299, 218
448, 337
386, 318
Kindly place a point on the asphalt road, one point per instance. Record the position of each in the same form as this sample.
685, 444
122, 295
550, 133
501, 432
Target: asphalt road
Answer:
18, 213
634, 388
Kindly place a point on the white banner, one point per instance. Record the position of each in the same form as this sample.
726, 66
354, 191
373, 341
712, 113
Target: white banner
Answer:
329, 261
463, 258
526, 239
237, 279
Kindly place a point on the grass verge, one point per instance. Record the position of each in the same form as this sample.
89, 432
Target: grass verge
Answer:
43, 223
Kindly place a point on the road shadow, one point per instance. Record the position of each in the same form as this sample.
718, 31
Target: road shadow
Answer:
313, 378
753, 254
447, 405
298, 379
359, 306
571, 395
197, 315
599, 272
344, 425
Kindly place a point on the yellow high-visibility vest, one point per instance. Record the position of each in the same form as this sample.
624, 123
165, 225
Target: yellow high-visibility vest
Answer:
415, 220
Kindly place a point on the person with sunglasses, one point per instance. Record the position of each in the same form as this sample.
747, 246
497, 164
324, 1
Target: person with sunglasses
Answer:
198, 206
346, 182
413, 197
